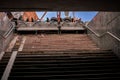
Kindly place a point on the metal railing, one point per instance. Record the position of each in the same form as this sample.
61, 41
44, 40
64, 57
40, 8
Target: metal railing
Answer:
8, 32
4, 36
106, 41
102, 35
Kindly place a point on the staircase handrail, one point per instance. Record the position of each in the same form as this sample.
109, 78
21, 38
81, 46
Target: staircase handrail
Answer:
2, 36
8, 32
102, 35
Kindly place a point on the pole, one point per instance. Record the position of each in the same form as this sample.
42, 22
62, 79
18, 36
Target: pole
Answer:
58, 17
43, 15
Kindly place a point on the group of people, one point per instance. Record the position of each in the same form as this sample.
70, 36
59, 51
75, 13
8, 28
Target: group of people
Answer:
65, 19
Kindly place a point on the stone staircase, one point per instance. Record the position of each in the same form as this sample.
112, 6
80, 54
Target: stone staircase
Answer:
61, 57
63, 42
92, 65
4, 62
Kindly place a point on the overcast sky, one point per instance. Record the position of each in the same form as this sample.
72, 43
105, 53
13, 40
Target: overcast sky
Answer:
84, 15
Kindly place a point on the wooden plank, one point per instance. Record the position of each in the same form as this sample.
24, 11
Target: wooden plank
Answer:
9, 66
1, 55
22, 44
11, 45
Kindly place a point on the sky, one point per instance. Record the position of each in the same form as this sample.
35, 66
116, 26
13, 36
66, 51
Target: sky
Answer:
84, 15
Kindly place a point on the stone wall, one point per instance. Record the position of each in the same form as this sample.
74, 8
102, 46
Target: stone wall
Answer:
5, 27
102, 24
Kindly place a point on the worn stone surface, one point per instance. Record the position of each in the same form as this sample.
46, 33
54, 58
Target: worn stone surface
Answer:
55, 42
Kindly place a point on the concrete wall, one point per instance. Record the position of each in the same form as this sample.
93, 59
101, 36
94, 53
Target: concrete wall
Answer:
5, 26
106, 22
